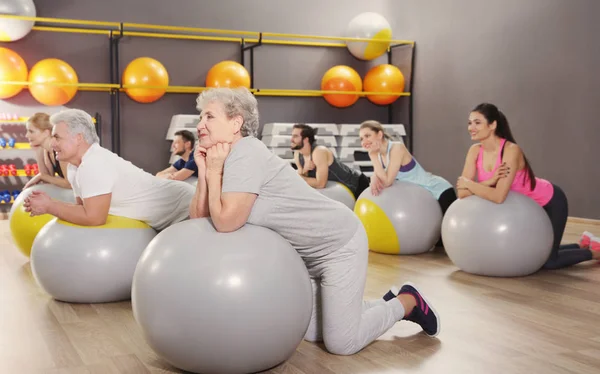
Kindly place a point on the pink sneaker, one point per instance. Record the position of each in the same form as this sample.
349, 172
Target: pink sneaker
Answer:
585, 240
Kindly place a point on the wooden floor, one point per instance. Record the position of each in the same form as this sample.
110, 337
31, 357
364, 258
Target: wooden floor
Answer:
546, 323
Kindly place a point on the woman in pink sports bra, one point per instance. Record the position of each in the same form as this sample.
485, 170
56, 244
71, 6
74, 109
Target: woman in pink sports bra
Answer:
493, 161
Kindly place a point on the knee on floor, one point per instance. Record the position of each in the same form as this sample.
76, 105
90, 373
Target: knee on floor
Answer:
341, 347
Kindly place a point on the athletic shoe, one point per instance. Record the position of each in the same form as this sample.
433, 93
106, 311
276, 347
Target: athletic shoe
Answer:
392, 293
595, 244
422, 314
586, 238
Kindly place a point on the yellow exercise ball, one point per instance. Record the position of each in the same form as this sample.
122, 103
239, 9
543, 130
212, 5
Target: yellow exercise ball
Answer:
372, 26
23, 227
341, 78
384, 78
404, 219
228, 74
12, 68
43, 77
145, 71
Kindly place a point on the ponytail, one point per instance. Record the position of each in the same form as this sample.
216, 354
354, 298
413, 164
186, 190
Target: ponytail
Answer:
491, 114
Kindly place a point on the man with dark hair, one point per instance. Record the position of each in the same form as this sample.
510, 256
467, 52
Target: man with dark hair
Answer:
185, 167
317, 164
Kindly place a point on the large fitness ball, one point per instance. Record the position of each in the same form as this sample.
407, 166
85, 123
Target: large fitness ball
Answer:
211, 302
14, 29
89, 264
148, 72
404, 219
341, 78
53, 82
505, 240
23, 227
384, 78
229, 74
338, 192
12, 68
373, 27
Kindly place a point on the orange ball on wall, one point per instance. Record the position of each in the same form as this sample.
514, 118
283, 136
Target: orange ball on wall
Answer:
12, 68
228, 74
145, 71
341, 78
43, 79
384, 78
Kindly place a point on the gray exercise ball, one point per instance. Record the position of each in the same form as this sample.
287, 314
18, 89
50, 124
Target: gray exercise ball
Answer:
15, 29
223, 303
403, 219
501, 240
89, 264
339, 192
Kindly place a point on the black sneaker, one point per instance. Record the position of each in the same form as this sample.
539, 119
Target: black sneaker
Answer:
393, 292
423, 314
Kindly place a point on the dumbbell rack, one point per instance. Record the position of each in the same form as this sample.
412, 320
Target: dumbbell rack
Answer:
17, 161
14, 149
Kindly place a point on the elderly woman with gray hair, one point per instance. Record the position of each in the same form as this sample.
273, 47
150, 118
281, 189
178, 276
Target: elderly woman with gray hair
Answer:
104, 183
240, 181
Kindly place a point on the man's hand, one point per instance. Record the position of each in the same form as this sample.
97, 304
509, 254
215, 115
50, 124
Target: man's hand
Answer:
309, 165
37, 203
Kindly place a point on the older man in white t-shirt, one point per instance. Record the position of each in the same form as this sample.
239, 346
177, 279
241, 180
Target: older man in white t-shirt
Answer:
104, 183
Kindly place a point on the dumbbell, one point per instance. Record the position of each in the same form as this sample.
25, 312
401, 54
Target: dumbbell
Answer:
12, 142
6, 170
32, 169
9, 117
5, 196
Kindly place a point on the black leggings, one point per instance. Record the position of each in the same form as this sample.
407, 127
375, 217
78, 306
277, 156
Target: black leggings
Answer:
363, 183
562, 255
445, 200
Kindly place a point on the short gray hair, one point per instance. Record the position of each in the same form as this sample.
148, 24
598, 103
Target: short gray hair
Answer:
237, 102
78, 122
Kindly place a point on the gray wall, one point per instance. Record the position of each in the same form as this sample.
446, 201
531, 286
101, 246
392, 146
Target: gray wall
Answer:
536, 59
144, 125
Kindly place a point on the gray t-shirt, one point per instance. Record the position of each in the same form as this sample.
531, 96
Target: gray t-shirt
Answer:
315, 225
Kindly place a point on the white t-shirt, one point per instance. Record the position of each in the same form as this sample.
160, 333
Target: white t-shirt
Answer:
136, 193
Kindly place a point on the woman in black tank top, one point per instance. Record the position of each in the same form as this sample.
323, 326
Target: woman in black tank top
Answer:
39, 134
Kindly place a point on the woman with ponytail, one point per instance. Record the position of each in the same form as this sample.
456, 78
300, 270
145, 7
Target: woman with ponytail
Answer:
501, 166
392, 161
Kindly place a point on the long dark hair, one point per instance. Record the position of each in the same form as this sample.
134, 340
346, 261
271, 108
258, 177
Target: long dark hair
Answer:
491, 114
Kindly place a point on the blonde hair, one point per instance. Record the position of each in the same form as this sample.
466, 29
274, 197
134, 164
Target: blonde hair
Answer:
375, 126
40, 121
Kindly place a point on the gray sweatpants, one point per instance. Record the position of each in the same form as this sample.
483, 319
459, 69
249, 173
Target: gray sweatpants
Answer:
340, 317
